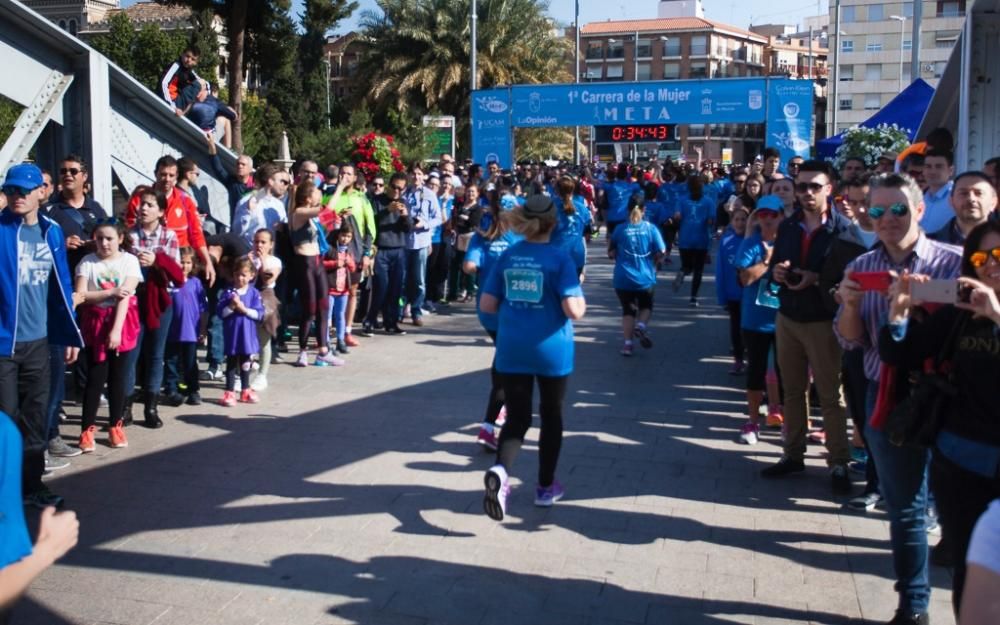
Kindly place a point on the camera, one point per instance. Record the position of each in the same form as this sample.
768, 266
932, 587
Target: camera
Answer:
793, 278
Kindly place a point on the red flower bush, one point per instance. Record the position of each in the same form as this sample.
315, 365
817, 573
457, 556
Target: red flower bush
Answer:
374, 155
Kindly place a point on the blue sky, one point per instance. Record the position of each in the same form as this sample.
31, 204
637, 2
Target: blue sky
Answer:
736, 12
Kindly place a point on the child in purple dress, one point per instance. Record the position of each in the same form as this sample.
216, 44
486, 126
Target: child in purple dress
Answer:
241, 309
187, 325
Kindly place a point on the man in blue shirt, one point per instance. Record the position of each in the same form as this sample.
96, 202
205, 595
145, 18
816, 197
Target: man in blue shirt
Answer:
425, 213
36, 308
939, 167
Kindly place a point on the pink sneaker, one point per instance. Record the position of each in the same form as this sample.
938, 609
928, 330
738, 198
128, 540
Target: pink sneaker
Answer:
249, 396
228, 399
502, 416
487, 438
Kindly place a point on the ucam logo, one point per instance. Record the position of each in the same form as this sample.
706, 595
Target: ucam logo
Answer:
491, 104
756, 99
791, 110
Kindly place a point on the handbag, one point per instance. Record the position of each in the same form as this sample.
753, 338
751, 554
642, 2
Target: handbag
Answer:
918, 418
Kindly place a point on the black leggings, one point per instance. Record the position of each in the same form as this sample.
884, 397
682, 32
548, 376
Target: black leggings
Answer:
313, 291
693, 262
237, 364
518, 389
758, 345
634, 301
111, 372
736, 329
495, 402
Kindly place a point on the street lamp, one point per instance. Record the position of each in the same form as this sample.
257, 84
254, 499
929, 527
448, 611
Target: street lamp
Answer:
902, 33
326, 63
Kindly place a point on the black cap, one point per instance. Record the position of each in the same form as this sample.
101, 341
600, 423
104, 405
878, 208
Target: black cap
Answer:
538, 205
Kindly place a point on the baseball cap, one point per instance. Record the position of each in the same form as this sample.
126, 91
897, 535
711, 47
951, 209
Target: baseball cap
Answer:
26, 176
770, 203
539, 206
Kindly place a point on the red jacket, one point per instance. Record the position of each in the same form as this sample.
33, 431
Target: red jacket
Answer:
181, 217
156, 296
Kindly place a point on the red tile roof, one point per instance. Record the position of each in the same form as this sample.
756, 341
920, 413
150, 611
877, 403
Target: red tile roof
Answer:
612, 27
144, 12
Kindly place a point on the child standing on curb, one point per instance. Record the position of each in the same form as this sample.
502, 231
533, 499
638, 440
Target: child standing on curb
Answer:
241, 310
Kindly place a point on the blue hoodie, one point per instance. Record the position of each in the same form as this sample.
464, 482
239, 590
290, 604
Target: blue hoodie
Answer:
727, 283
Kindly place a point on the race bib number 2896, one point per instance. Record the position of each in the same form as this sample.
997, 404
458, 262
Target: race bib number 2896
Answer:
524, 285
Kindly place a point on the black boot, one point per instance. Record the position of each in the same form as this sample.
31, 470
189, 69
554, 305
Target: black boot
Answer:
127, 410
150, 412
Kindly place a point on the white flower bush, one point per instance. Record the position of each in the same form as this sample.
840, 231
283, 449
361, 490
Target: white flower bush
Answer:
870, 143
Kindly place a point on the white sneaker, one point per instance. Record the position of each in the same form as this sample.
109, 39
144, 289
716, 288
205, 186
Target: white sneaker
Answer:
749, 434
259, 383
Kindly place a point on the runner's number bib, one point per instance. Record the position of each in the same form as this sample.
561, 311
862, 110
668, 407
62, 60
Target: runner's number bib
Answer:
524, 285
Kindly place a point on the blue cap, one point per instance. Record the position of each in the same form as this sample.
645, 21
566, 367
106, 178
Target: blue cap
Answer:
25, 176
770, 203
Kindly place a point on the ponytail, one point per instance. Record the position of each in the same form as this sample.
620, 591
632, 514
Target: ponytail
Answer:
566, 188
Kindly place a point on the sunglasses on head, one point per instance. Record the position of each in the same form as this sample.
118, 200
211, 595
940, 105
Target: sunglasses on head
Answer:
72, 171
815, 187
980, 258
899, 210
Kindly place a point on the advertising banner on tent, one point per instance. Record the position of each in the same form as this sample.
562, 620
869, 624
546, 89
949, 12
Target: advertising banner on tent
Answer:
789, 117
717, 101
491, 128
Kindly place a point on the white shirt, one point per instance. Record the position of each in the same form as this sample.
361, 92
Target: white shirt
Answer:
109, 273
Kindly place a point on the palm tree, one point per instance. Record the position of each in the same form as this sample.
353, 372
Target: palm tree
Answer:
419, 56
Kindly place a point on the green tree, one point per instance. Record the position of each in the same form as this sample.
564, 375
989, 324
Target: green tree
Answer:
118, 44
419, 55
318, 18
9, 112
153, 51
204, 37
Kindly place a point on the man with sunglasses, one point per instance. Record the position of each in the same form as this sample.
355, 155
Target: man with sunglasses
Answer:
896, 208
803, 329
974, 201
36, 310
392, 226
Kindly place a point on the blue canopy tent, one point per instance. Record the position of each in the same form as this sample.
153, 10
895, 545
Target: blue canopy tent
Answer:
906, 110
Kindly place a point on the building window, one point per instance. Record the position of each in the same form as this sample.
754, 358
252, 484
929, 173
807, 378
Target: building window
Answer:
907, 74
615, 72
939, 68
873, 72
846, 73
672, 46
698, 69
645, 71
848, 15
62, 24
907, 44
699, 45
846, 103
873, 102
945, 39
950, 9
595, 50
696, 130
874, 44
594, 72
671, 70
847, 45
908, 9
616, 49
875, 13
645, 49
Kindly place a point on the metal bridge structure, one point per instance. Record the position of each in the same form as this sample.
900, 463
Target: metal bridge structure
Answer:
77, 101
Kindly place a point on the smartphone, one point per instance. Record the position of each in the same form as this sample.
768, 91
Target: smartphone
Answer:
937, 291
872, 280
793, 278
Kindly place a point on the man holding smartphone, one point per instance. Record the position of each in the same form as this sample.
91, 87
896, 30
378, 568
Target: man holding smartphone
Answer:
805, 339
896, 207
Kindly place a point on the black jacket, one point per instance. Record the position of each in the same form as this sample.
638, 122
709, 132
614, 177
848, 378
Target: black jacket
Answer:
391, 228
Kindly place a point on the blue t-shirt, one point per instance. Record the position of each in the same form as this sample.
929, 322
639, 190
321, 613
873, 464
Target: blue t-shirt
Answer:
727, 280
535, 337
665, 193
696, 217
636, 246
569, 231
656, 212
484, 253
618, 193
15, 543
760, 303
446, 206
34, 266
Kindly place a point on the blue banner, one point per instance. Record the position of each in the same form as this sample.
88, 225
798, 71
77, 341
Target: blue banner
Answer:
718, 101
491, 128
790, 117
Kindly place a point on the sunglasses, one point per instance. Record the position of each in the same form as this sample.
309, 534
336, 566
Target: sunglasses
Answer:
400, 189
815, 187
16, 191
766, 214
107, 221
899, 210
378, 184
980, 258
72, 171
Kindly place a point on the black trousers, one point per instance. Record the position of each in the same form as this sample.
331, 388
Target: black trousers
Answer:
518, 390
24, 396
856, 393
437, 270
962, 497
736, 328
495, 401
111, 371
693, 262
390, 265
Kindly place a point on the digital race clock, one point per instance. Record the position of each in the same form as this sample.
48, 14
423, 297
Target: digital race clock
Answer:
633, 133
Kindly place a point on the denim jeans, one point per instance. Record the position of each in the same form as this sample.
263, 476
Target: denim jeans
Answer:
386, 285
57, 388
902, 475
416, 279
154, 346
335, 314
24, 396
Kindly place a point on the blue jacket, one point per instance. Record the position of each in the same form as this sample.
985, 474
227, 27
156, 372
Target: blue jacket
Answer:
727, 281
62, 328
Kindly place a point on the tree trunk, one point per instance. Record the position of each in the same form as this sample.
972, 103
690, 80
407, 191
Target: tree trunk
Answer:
236, 27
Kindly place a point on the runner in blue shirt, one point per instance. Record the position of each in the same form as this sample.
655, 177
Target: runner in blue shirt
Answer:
574, 221
636, 248
618, 192
535, 290
727, 284
484, 250
696, 215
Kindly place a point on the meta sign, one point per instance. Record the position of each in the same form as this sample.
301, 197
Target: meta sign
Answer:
784, 105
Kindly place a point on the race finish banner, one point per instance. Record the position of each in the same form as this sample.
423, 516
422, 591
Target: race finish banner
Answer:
496, 112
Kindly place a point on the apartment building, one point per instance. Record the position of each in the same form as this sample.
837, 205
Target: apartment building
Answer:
875, 45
